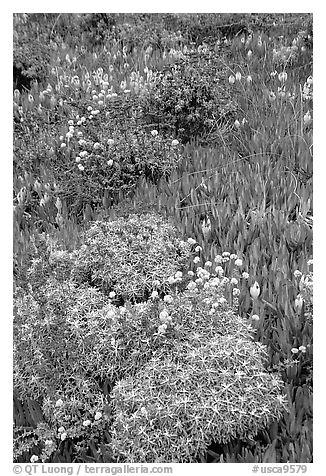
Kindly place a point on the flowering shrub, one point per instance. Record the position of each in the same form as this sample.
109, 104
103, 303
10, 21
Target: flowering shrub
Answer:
205, 382
127, 257
189, 360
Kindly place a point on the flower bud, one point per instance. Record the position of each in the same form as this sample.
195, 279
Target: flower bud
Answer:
255, 290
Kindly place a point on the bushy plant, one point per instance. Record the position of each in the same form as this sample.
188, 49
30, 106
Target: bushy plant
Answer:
205, 383
127, 257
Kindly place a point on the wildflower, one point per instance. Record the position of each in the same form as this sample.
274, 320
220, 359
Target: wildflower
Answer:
294, 350
110, 142
309, 80
191, 286
273, 74
154, 295
249, 79
211, 311
236, 292
206, 227
156, 283
310, 262
97, 146
164, 315
208, 264
83, 119
218, 259
30, 98
63, 436
89, 108
34, 459
303, 349
219, 271
82, 142
196, 259
86, 423
112, 295
70, 122
222, 300
171, 280
168, 298
191, 273
81, 167
162, 328
234, 281
249, 54
245, 275
238, 262
98, 416
238, 76
233, 256
298, 303
259, 42
282, 77
255, 317
48, 442
307, 118
78, 159
63, 145
154, 132
237, 124
69, 135
297, 273
231, 79
110, 162
214, 282
59, 403
271, 96
244, 121
191, 241
199, 281
255, 290
198, 249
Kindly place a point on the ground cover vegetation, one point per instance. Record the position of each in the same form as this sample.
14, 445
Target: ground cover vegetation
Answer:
163, 273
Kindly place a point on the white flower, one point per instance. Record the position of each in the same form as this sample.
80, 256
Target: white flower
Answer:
178, 275
255, 317
154, 132
219, 270
309, 80
307, 118
191, 286
294, 350
310, 262
196, 259
34, 459
238, 262
175, 142
234, 281
168, 299
63, 145
78, 159
297, 273
231, 79
112, 295
198, 249
238, 76
249, 79
63, 436
255, 290
222, 300
298, 303
249, 54
199, 281
303, 349
98, 416
282, 77
218, 259
86, 423
233, 256
59, 403
237, 124
236, 292
61, 429
97, 145
154, 295
208, 264
191, 273
110, 142
110, 162
171, 280
245, 275
81, 167
191, 241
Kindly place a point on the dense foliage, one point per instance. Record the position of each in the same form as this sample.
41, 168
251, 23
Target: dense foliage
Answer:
129, 130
